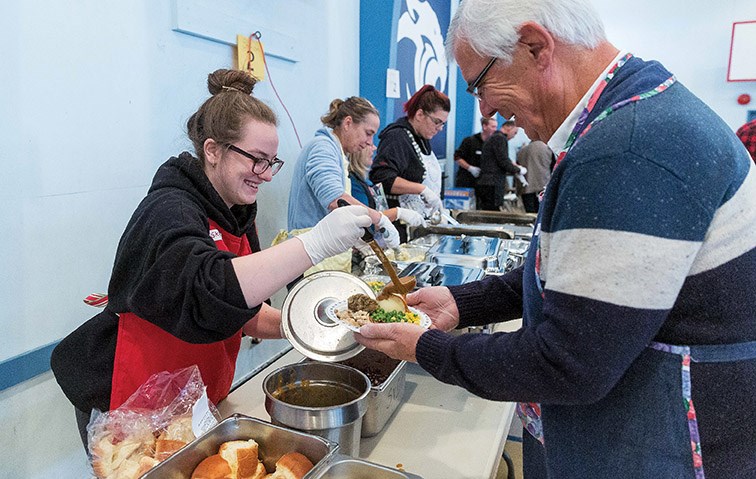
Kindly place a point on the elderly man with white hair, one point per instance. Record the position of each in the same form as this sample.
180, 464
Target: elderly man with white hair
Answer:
637, 354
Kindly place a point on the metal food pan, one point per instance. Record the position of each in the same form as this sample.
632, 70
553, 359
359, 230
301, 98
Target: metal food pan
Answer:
495, 217
343, 467
388, 378
433, 274
482, 252
274, 442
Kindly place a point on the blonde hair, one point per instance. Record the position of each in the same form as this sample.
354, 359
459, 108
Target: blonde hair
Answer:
355, 106
357, 162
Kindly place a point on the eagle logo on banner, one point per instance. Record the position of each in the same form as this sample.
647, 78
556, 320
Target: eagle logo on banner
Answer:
419, 24
420, 55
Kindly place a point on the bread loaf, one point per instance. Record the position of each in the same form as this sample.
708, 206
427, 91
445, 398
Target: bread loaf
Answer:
292, 465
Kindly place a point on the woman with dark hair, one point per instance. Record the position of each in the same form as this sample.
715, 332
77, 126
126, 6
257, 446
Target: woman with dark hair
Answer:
189, 277
405, 164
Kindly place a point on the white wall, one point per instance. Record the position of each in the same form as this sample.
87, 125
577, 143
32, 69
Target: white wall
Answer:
94, 96
691, 38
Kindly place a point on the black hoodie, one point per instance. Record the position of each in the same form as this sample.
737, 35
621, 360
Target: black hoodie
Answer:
167, 271
396, 157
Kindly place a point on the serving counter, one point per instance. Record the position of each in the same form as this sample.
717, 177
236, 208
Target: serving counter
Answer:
438, 431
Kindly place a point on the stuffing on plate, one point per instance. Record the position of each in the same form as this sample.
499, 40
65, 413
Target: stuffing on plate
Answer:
362, 310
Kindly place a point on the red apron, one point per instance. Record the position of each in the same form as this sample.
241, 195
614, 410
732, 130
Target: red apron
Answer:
143, 349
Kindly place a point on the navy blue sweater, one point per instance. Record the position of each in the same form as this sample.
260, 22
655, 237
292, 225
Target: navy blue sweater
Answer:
647, 235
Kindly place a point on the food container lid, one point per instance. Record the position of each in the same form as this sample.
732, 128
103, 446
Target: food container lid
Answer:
304, 320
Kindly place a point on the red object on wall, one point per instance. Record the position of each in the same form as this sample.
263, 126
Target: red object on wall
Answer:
744, 99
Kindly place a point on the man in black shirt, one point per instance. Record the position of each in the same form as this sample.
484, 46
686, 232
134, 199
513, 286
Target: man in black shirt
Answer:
495, 165
467, 156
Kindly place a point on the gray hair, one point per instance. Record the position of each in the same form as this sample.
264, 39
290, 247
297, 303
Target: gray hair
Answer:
491, 27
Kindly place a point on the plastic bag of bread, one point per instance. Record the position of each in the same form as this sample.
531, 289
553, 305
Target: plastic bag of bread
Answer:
166, 413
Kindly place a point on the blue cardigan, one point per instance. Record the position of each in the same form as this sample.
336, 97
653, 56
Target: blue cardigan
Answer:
317, 181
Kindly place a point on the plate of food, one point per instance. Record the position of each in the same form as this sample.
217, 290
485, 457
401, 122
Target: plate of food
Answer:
360, 309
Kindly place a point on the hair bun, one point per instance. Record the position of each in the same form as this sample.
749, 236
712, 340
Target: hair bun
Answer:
230, 80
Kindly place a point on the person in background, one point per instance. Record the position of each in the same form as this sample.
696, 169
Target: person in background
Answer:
495, 165
364, 191
189, 276
747, 135
536, 158
467, 156
405, 164
321, 176
637, 355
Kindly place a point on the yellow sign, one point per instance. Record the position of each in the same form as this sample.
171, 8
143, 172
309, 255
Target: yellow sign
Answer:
250, 56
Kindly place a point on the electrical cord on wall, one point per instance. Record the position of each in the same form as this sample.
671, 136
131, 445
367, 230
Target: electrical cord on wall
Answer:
257, 36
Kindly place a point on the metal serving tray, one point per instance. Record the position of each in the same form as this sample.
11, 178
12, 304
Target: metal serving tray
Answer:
388, 378
274, 441
481, 252
495, 231
346, 467
433, 274
495, 217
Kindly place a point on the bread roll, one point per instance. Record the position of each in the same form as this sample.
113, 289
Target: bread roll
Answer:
237, 460
213, 467
242, 457
393, 302
164, 448
292, 465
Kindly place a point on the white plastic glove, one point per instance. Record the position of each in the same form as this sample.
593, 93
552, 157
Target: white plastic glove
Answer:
390, 233
431, 199
474, 170
341, 229
409, 217
523, 170
522, 179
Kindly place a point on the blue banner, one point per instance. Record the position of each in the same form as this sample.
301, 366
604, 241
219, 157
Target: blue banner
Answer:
418, 53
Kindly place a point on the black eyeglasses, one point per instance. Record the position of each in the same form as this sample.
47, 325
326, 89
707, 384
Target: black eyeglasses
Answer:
472, 87
259, 165
436, 121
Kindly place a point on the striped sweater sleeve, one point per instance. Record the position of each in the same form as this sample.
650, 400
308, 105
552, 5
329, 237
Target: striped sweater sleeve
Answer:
622, 235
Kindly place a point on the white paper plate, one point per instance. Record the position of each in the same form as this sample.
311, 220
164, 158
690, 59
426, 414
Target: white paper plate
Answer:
330, 311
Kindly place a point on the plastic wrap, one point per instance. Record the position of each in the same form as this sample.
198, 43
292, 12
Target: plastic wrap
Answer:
167, 412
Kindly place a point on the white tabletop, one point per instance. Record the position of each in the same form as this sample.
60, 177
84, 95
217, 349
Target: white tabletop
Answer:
439, 431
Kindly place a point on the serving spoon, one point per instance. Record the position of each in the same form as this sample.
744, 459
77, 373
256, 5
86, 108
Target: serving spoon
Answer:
397, 285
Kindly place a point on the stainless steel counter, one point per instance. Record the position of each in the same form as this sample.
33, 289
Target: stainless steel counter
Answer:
438, 431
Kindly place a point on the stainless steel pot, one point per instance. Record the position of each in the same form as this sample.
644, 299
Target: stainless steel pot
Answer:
325, 399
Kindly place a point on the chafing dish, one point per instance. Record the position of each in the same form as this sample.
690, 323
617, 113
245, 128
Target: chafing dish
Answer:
494, 231
432, 274
495, 217
482, 252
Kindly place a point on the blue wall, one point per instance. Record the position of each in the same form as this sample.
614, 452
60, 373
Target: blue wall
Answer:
378, 28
